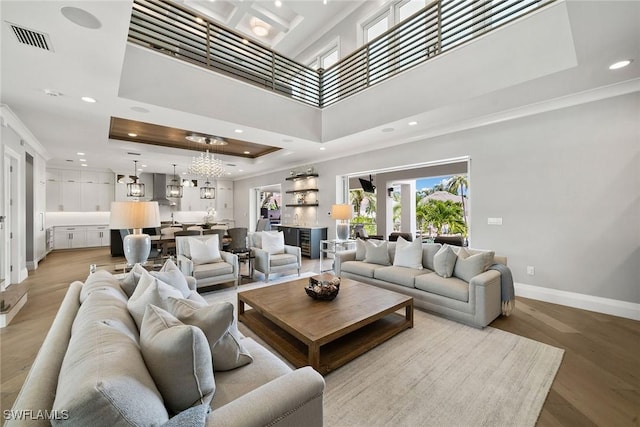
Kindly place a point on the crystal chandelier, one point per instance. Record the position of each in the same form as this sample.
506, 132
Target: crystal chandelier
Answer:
207, 165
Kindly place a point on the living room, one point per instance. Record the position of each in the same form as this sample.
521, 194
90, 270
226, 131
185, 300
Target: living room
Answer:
561, 174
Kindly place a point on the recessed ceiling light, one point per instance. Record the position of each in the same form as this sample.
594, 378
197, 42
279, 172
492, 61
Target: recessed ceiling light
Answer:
82, 160
84, 164
413, 123
247, 152
388, 130
238, 131
620, 64
240, 170
259, 28
278, 3
140, 109
132, 135
323, 148
144, 166
80, 154
81, 17
88, 99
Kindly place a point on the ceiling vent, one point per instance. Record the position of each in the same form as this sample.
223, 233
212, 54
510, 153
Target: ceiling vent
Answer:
31, 37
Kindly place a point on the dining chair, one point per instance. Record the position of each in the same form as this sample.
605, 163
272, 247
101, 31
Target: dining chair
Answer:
221, 233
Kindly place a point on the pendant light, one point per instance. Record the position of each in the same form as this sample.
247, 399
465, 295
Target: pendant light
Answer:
174, 189
135, 188
207, 191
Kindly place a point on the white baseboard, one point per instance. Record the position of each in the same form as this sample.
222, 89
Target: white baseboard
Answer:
613, 307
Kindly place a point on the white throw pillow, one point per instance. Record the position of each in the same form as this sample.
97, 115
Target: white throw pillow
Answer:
273, 242
150, 290
171, 275
444, 261
408, 254
130, 280
205, 252
361, 249
218, 324
377, 254
468, 265
178, 358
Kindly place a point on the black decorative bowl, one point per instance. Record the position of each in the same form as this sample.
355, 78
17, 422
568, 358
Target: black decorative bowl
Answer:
323, 287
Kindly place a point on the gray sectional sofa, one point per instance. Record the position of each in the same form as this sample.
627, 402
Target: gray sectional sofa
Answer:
93, 369
474, 300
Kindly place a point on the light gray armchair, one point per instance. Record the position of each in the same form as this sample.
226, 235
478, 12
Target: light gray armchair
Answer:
268, 263
226, 270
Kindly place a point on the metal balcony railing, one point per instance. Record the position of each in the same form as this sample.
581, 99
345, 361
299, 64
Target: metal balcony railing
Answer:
442, 25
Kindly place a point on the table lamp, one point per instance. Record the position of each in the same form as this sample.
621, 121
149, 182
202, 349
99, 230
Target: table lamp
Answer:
135, 215
342, 213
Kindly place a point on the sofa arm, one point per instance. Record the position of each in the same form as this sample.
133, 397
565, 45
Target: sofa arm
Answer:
192, 283
343, 256
185, 265
485, 279
232, 259
262, 259
294, 250
294, 399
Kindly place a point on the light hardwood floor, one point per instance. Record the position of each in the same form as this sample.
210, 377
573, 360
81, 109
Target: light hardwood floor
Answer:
598, 382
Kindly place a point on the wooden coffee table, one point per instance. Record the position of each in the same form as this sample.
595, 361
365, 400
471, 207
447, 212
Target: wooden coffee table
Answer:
324, 334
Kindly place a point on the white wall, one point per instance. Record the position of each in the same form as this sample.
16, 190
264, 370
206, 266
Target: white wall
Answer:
565, 182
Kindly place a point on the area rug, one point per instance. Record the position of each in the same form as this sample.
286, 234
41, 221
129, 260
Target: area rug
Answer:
439, 373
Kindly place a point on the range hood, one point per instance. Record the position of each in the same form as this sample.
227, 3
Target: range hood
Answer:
160, 190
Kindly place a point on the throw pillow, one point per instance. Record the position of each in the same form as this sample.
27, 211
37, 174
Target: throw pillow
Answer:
149, 291
130, 280
273, 242
171, 275
444, 261
217, 323
205, 252
408, 254
178, 358
468, 265
361, 249
377, 254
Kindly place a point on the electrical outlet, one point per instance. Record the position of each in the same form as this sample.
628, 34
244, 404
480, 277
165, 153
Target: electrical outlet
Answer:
531, 270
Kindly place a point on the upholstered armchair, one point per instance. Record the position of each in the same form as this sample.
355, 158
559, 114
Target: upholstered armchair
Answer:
201, 257
272, 255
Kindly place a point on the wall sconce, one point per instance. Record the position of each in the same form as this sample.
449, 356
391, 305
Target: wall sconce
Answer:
390, 191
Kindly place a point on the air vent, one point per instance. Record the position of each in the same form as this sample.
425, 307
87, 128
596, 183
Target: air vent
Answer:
133, 154
31, 37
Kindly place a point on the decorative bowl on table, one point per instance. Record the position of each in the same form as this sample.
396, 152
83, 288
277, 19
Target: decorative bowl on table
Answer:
324, 287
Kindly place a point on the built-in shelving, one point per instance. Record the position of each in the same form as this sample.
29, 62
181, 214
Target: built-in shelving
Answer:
302, 176
301, 205
308, 190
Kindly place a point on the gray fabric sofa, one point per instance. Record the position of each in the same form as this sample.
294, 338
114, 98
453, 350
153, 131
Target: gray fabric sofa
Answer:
263, 392
476, 302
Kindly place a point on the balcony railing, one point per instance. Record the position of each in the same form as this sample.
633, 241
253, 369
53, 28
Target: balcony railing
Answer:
442, 25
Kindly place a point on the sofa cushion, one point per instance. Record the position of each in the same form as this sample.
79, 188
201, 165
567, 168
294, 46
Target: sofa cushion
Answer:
101, 279
204, 271
361, 249
110, 303
131, 279
150, 290
178, 358
360, 268
103, 377
283, 259
399, 275
429, 250
468, 266
444, 261
377, 254
236, 383
205, 251
171, 275
408, 254
216, 321
450, 287
273, 242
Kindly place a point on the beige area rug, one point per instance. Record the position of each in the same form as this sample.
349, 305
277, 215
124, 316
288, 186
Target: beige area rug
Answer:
440, 373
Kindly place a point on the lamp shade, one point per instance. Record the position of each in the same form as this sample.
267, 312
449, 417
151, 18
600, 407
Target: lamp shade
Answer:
134, 215
341, 212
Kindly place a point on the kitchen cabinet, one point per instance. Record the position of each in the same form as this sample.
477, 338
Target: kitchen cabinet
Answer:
98, 236
69, 237
224, 199
79, 191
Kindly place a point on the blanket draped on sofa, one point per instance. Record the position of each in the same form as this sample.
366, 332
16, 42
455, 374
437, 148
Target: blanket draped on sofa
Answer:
506, 287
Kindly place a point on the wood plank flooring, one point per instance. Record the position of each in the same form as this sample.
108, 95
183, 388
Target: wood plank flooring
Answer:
598, 383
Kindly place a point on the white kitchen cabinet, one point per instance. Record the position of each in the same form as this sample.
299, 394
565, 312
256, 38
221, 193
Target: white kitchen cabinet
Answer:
98, 236
224, 199
79, 191
69, 237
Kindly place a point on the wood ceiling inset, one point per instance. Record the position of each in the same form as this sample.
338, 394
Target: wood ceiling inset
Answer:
164, 136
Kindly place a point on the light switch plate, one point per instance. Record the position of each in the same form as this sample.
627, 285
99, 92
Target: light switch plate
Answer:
494, 221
